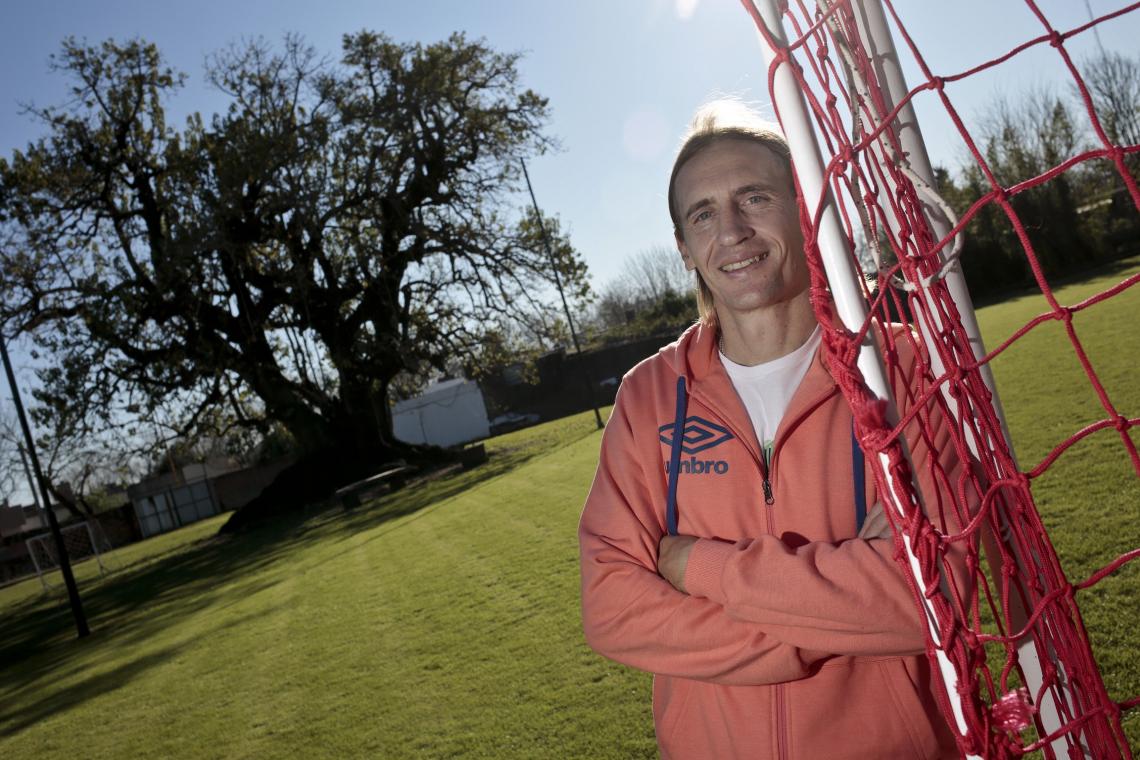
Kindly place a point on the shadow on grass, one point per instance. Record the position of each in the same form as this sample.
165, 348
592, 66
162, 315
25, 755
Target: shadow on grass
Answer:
57, 700
37, 636
134, 605
1057, 281
27, 713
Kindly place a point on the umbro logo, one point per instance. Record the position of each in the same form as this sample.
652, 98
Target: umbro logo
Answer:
698, 434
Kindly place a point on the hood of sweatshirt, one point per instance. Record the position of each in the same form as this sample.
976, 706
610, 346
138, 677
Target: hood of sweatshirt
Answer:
695, 357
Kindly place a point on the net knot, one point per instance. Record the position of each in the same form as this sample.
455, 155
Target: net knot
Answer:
782, 56
1121, 423
1013, 711
1056, 39
873, 414
937, 83
844, 157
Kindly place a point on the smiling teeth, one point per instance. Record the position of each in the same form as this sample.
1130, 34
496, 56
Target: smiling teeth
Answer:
741, 264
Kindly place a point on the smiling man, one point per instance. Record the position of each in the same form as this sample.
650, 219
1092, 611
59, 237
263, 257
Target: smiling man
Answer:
726, 545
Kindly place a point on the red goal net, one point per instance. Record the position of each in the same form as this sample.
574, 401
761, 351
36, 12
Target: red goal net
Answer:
884, 241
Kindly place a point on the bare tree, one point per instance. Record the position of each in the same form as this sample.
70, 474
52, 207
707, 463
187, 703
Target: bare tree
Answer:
615, 305
77, 467
1113, 81
652, 295
11, 473
651, 274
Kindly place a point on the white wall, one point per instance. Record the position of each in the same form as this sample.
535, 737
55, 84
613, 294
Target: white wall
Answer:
446, 414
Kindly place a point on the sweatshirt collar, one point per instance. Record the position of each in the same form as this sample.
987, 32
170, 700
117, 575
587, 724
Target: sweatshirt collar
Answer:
695, 356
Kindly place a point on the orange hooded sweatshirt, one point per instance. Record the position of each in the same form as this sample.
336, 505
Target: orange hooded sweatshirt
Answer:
795, 639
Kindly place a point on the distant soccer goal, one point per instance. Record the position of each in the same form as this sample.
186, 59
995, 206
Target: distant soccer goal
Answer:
82, 541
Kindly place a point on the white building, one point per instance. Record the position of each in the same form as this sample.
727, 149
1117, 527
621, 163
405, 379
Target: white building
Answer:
445, 414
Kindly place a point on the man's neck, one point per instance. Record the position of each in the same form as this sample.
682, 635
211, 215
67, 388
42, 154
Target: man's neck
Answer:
767, 334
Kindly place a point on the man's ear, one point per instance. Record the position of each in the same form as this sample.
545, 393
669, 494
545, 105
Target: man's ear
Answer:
684, 249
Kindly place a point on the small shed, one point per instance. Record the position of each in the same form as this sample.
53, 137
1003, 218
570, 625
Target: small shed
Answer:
445, 414
197, 491
170, 500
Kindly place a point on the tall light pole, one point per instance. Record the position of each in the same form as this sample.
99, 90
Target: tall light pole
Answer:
562, 293
61, 550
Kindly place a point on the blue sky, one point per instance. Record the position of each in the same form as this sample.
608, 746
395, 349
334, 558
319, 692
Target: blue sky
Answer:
622, 76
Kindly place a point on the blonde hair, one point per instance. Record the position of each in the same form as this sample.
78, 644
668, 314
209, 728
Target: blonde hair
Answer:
717, 120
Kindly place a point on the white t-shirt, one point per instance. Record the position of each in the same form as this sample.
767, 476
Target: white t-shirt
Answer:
765, 389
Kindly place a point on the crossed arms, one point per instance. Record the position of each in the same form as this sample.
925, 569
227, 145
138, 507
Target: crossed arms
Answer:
755, 611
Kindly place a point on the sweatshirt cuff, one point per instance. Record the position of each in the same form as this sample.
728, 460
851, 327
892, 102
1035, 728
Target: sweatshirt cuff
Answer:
706, 563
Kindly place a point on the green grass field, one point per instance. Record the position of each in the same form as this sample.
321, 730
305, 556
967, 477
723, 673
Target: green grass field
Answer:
442, 621
1089, 498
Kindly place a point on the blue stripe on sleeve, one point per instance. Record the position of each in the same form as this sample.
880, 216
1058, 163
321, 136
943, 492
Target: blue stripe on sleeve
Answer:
860, 480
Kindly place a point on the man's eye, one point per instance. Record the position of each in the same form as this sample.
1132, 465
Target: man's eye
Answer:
702, 216
754, 199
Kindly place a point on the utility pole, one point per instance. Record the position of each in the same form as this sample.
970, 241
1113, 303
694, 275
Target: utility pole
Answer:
562, 293
60, 548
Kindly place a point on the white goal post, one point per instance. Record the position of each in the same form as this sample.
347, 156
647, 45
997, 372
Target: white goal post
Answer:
81, 541
894, 109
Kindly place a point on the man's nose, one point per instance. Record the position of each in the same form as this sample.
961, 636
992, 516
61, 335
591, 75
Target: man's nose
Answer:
733, 226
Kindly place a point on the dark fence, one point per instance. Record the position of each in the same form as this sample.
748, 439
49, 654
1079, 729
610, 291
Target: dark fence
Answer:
560, 389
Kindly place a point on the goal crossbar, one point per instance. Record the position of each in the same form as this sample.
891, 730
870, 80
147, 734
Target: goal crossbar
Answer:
79, 541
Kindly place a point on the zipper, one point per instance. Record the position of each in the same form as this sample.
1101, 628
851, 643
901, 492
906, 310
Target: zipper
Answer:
767, 467
768, 473
782, 435
781, 723
769, 464
766, 457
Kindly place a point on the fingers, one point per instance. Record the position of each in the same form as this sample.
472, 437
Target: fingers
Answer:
673, 558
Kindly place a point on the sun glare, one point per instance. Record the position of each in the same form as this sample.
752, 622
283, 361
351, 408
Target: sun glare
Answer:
685, 8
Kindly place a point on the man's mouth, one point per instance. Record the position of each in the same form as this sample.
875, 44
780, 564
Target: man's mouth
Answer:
737, 265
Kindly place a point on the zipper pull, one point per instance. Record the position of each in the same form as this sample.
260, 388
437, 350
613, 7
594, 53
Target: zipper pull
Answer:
766, 455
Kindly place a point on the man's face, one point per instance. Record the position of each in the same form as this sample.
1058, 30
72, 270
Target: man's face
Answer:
740, 227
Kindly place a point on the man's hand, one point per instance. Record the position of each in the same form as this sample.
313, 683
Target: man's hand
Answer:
673, 551
673, 558
876, 524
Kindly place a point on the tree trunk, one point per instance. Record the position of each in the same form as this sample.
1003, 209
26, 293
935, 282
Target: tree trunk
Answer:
311, 479
362, 444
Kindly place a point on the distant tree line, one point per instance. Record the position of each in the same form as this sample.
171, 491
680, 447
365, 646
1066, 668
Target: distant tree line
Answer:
1077, 218
652, 295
